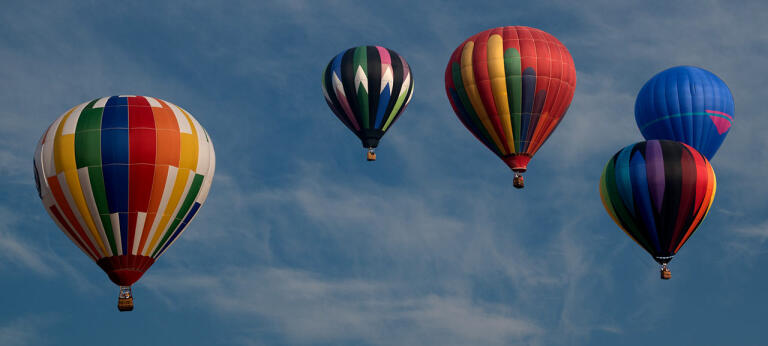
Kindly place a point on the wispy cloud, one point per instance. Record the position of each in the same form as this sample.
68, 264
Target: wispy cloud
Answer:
26, 330
307, 308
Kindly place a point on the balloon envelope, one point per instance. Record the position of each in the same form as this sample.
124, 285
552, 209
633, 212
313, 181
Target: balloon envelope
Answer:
686, 104
510, 87
368, 88
658, 192
122, 177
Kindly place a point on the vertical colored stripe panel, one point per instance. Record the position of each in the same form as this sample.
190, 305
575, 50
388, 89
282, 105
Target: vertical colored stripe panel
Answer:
385, 88
96, 176
360, 70
163, 211
642, 199
66, 164
468, 77
64, 226
142, 154
180, 230
498, 81
178, 189
61, 201
194, 189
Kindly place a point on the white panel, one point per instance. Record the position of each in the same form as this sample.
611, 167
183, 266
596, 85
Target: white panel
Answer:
90, 201
184, 125
153, 102
101, 102
73, 207
115, 218
387, 78
49, 167
202, 148
176, 211
71, 124
140, 219
208, 176
169, 181
70, 236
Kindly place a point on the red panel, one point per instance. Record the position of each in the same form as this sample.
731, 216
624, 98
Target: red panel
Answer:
141, 117
58, 194
60, 218
141, 187
483, 81
137, 101
142, 145
687, 195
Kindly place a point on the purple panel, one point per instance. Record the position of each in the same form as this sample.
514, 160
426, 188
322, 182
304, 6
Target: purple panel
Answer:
655, 170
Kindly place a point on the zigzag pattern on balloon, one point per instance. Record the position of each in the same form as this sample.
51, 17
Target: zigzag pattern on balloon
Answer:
368, 88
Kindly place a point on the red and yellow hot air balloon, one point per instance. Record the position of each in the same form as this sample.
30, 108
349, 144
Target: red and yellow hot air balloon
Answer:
122, 177
511, 86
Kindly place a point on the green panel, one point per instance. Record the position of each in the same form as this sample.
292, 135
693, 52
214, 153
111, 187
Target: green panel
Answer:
194, 189
458, 83
622, 213
88, 148
360, 60
513, 71
90, 118
100, 196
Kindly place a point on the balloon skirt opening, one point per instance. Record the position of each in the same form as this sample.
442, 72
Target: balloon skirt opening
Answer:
125, 270
517, 162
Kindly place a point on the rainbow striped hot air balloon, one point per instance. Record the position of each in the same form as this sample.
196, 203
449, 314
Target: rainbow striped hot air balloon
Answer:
368, 88
123, 176
510, 87
658, 192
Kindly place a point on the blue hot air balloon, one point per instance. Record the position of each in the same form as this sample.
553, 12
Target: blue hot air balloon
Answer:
686, 104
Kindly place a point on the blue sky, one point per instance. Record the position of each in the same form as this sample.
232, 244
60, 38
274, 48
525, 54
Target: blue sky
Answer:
302, 242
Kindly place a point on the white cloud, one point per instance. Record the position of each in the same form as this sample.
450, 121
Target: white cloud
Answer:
26, 330
307, 308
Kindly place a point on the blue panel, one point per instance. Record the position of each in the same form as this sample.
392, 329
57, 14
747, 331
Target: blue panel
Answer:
190, 215
116, 187
115, 146
642, 199
623, 179
382, 107
529, 94
117, 101
115, 116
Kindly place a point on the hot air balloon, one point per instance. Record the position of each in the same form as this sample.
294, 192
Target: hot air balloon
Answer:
368, 88
658, 192
511, 86
122, 177
686, 104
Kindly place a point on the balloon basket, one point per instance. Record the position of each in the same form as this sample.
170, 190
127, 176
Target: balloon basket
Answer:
371, 155
665, 273
125, 299
518, 181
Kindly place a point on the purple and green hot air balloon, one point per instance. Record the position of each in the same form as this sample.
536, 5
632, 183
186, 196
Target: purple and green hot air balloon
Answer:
686, 104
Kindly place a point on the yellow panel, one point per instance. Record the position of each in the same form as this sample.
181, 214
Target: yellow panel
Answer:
468, 77
499, 86
178, 191
189, 146
57, 160
64, 158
